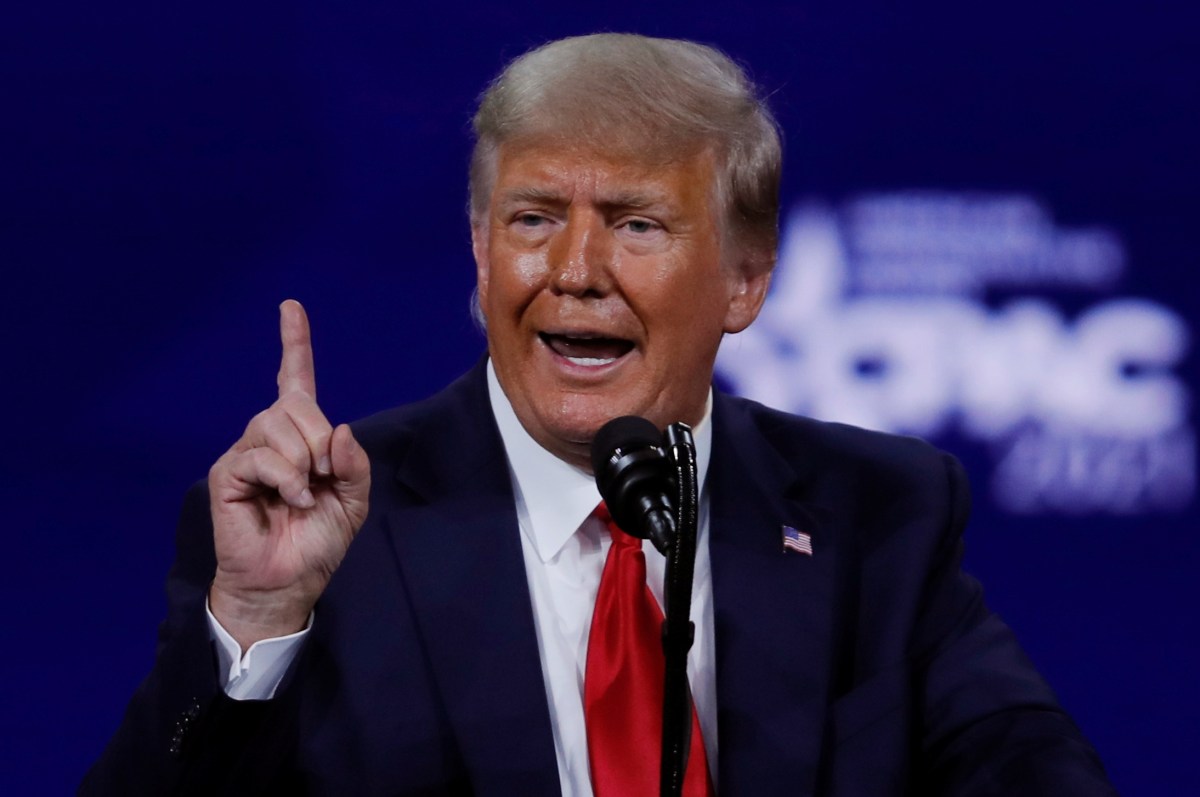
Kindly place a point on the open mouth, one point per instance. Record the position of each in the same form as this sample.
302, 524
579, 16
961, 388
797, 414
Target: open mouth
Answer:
587, 350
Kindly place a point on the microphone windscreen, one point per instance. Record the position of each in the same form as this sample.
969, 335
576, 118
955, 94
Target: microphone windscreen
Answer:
627, 432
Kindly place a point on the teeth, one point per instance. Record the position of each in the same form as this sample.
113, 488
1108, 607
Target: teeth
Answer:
592, 361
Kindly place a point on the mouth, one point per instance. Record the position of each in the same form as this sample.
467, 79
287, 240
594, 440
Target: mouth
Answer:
585, 349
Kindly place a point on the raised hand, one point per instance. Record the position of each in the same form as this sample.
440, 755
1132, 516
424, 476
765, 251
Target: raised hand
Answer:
286, 499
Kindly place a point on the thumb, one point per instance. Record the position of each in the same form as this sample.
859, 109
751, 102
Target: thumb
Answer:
351, 467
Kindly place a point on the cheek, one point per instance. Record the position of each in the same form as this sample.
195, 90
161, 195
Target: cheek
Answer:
514, 279
653, 285
529, 269
679, 298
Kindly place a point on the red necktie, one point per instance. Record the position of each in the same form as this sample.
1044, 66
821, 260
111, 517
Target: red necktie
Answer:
623, 685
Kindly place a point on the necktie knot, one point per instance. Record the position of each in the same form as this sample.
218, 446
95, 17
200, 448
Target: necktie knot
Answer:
620, 537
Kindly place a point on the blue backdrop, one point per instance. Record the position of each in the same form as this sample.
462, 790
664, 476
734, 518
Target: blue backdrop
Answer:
995, 200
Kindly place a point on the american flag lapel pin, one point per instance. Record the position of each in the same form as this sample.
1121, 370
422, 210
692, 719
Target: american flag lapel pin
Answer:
796, 540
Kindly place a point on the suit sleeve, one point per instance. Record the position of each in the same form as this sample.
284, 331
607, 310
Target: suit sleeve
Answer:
990, 723
180, 733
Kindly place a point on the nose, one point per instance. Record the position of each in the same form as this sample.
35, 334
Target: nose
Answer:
581, 257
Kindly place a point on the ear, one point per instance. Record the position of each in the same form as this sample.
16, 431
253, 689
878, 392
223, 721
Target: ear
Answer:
479, 246
748, 284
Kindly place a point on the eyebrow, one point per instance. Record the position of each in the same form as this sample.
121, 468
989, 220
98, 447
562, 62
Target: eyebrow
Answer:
533, 194
631, 200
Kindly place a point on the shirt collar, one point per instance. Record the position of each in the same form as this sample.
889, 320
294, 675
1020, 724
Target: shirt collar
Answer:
558, 496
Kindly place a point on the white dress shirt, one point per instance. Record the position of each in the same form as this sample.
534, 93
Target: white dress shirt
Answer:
564, 549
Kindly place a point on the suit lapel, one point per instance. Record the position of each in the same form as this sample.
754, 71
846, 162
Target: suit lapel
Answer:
772, 612
459, 549
454, 529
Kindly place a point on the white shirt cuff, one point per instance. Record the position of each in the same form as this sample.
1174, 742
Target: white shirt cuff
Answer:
257, 674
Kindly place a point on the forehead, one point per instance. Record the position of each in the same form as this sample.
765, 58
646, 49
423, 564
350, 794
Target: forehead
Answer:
555, 165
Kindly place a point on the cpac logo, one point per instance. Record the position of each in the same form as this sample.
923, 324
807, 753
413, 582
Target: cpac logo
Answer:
877, 318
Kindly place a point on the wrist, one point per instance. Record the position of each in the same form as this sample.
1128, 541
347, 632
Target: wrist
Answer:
250, 617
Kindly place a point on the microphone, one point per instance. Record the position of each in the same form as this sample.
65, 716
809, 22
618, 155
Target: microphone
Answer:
636, 479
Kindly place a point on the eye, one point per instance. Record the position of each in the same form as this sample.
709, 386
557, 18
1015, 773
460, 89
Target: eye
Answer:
531, 220
640, 226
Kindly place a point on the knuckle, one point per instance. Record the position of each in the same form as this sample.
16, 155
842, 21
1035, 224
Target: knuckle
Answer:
302, 407
259, 423
261, 460
294, 399
279, 433
293, 448
288, 399
266, 470
221, 468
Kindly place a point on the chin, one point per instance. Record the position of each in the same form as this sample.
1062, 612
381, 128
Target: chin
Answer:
579, 418
580, 430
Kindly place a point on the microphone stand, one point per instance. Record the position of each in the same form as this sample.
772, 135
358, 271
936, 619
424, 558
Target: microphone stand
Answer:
678, 630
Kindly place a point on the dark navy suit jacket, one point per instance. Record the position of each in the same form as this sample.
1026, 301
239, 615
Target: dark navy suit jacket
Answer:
870, 668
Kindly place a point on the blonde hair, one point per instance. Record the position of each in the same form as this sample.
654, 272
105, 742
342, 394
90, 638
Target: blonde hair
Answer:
656, 97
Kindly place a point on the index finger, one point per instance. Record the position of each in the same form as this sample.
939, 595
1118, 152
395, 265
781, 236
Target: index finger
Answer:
296, 371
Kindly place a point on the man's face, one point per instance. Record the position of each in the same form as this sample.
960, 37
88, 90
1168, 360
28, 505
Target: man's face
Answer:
607, 285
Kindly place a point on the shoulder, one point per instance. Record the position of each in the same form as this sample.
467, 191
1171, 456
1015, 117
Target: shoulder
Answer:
875, 472
835, 444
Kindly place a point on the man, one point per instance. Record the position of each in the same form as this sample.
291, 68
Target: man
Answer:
407, 607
